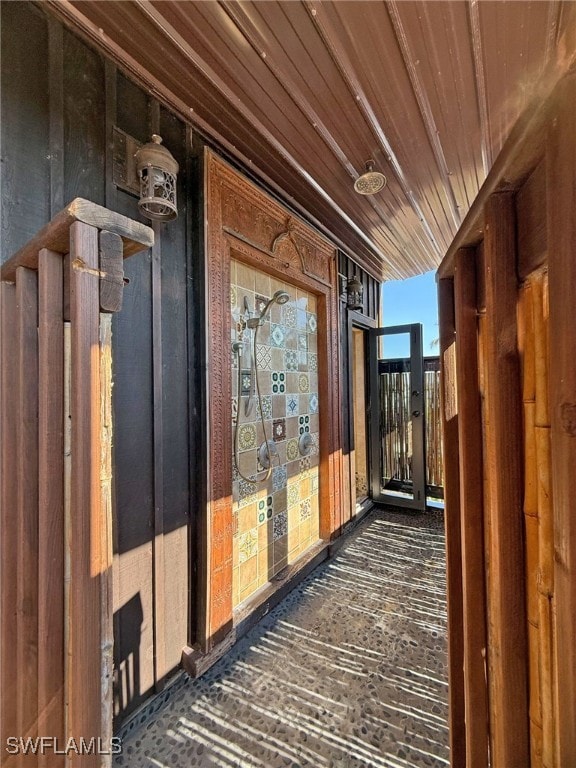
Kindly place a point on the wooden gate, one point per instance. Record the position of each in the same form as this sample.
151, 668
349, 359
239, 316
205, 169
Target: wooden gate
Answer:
56, 546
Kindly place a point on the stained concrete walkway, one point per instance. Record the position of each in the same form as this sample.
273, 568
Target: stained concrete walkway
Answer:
349, 672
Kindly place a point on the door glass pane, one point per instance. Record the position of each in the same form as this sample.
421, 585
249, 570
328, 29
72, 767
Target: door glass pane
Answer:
395, 416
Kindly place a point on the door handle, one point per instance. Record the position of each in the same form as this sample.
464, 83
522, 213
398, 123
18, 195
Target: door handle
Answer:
415, 413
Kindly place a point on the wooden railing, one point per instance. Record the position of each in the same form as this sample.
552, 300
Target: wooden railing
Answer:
55, 536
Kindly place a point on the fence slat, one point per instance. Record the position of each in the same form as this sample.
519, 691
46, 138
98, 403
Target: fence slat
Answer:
27, 505
85, 533
452, 525
471, 510
507, 628
51, 503
8, 503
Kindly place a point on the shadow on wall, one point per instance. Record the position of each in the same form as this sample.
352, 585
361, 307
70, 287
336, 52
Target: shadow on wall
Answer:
127, 655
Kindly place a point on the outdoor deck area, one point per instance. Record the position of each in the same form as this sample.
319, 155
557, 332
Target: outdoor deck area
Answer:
350, 671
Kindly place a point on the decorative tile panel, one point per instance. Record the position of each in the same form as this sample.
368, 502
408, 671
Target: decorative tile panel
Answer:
289, 315
292, 451
277, 335
269, 515
266, 407
247, 437
264, 357
279, 477
247, 545
293, 494
279, 430
278, 383
305, 509
291, 360
280, 525
246, 382
292, 405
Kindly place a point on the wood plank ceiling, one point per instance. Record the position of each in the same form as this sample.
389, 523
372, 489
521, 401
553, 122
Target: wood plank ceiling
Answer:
303, 93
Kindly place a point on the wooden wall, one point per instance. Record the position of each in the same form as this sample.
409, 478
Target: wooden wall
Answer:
60, 101
507, 298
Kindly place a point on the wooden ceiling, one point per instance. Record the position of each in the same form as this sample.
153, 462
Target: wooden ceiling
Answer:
303, 93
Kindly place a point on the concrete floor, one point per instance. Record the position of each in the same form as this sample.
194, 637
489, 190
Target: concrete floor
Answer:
349, 672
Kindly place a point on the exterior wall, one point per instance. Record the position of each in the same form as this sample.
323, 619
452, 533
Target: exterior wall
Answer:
60, 102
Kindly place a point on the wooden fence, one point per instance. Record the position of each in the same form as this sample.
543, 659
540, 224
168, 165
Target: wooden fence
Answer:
56, 547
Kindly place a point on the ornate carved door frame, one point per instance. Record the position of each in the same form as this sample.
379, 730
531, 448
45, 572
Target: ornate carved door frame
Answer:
246, 224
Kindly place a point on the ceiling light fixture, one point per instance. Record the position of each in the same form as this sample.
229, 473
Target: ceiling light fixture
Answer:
371, 181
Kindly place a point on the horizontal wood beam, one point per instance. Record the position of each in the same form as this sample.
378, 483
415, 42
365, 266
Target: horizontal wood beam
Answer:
55, 236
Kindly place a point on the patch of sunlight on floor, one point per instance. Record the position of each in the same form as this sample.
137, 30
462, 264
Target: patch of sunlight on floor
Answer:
349, 672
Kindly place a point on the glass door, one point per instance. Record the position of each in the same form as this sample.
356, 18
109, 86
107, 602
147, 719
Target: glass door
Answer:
397, 416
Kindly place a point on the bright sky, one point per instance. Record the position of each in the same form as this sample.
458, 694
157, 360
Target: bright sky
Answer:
411, 301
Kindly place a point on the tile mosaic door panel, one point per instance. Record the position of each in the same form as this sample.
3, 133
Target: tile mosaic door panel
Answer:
284, 506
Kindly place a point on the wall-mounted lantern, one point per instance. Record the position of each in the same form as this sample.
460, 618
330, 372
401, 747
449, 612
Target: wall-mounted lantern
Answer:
354, 293
157, 170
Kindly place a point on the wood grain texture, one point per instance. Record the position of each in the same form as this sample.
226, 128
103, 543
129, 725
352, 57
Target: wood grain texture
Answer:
471, 510
111, 267
507, 628
8, 510
452, 516
51, 502
85, 526
531, 217
54, 236
561, 191
27, 502
106, 535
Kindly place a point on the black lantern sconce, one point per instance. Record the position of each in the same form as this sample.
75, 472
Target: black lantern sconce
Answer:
354, 293
157, 170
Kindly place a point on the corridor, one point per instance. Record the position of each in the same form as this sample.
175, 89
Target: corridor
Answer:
349, 672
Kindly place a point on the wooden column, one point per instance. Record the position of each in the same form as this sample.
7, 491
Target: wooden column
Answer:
27, 502
504, 451
84, 684
471, 509
561, 190
452, 524
8, 518
51, 502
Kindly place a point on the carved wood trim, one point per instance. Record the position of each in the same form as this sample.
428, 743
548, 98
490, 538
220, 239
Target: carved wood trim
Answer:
245, 223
